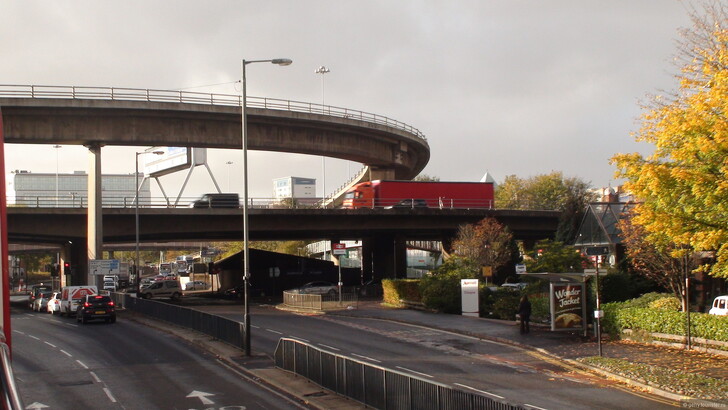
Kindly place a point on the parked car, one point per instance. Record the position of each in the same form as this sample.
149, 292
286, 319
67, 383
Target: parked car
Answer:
145, 283
317, 288
40, 303
409, 203
197, 285
54, 303
515, 286
96, 307
720, 306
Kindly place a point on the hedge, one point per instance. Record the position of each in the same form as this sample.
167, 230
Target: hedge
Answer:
633, 315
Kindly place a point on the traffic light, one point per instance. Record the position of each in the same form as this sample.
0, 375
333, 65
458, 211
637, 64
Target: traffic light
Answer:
66, 268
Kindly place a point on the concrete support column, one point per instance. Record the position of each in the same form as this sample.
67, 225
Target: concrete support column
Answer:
389, 257
95, 231
366, 259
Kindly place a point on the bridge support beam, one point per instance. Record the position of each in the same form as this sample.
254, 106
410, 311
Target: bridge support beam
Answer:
384, 257
95, 231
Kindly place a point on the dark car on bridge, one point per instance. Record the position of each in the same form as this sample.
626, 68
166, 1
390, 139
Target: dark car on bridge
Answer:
217, 201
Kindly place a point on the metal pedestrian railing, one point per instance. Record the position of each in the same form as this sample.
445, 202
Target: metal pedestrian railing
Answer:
348, 297
11, 397
226, 330
375, 386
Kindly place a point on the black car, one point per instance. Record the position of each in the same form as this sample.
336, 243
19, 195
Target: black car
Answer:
96, 307
409, 203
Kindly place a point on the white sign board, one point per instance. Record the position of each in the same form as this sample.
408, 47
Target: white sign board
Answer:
469, 291
104, 267
520, 269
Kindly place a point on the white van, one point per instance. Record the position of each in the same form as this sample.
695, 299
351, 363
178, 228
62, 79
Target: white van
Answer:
71, 297
720, 306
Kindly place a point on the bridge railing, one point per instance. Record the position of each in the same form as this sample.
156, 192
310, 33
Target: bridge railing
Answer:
190, 97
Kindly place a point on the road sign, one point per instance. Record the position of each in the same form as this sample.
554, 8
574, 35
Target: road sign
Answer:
338, 249
597, 250
520, 269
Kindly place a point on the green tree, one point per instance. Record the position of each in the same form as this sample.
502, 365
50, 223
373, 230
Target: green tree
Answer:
426, 178
441, 289
683, 184
488, 243
548, 191
553, 256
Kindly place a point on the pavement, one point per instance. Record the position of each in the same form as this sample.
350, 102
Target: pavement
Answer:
565, 347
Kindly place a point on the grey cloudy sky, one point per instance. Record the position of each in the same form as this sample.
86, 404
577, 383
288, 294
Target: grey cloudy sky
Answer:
520, 87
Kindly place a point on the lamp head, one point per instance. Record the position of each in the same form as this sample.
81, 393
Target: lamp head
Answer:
282, 61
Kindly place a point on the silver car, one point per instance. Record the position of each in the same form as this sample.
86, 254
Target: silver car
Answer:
317, 288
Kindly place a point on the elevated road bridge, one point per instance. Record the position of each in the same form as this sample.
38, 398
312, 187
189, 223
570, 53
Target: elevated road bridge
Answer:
383, 232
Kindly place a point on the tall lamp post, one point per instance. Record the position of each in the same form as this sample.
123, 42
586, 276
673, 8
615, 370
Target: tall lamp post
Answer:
323, 70
246, 249
136, 209
57, 147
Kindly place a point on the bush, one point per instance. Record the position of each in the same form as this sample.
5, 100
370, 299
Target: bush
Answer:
441, 289
666, 303
505, 305
395, 290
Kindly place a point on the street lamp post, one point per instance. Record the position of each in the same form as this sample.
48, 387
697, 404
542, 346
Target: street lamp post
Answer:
246, 249
57, 147
136, 209
323, 70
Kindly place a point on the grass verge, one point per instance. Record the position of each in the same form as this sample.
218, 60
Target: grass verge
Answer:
687, 384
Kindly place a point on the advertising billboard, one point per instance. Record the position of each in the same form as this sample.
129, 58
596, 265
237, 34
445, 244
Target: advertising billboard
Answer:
172, 159
568, 306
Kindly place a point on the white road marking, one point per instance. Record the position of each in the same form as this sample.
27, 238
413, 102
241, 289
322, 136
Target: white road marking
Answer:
66, 353
273, 331
414, 371
202, 396
33, 337
50, 344
329, 347
533, 407
366, 358
82, 365
96, 378
109, 395
255, 327
18, 331
479, 391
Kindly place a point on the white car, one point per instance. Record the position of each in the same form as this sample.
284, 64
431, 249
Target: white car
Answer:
197, 285
720, 306
41, 301
54, 304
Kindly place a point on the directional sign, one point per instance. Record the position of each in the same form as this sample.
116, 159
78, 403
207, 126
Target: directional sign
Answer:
338, 248
597, 250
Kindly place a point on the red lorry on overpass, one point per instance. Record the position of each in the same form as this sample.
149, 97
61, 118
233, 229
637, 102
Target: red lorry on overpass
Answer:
420, 194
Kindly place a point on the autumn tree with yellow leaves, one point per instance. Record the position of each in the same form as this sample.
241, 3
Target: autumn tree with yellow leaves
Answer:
683, 185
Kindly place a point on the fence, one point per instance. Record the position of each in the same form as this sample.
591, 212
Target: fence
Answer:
375, 386
349, 297
223, 329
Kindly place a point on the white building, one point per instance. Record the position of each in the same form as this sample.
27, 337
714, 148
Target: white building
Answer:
49, 190
294, 187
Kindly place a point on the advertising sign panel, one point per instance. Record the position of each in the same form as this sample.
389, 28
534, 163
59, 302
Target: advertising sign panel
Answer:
172, 159
469, 291
568, 306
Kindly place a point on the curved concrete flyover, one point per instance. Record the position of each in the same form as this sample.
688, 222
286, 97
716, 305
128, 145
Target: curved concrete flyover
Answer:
133, 117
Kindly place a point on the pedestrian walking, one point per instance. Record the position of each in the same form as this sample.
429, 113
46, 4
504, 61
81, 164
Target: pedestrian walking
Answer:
524, 313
